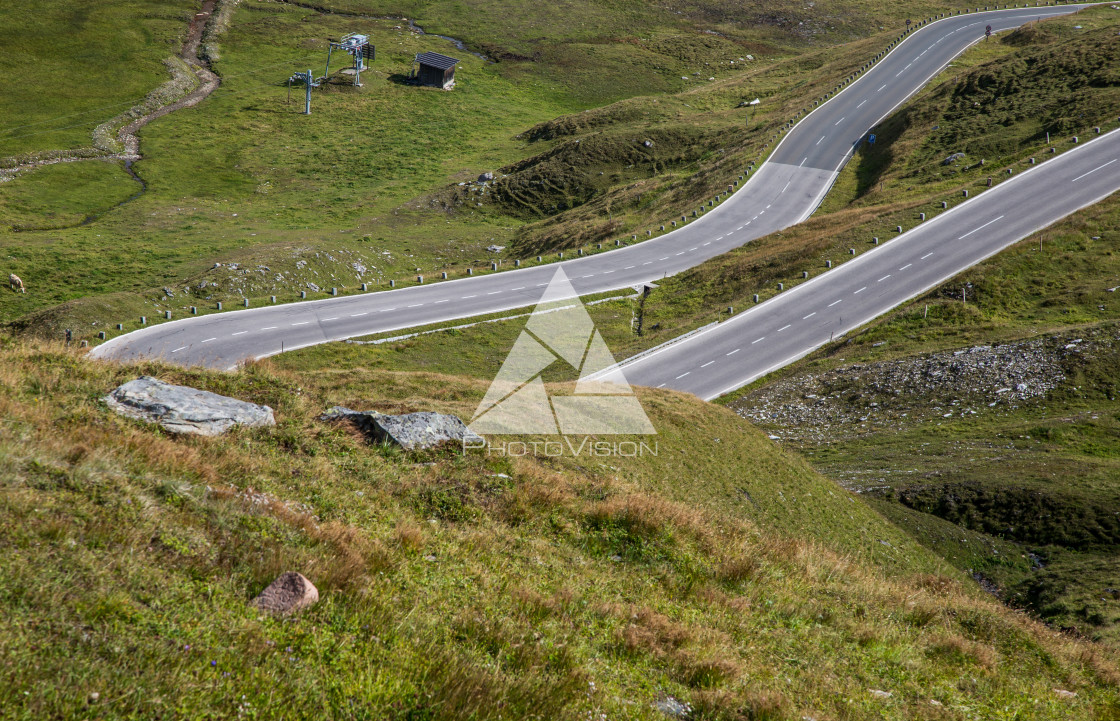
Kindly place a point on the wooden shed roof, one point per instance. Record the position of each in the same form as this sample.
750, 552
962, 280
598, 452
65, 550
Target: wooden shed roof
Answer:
435, 60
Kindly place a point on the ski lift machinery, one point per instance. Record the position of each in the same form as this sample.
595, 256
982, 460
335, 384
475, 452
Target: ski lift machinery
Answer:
359, 48
309, 80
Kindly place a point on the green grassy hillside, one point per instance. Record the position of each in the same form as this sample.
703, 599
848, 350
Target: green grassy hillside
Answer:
368, 187
724, 573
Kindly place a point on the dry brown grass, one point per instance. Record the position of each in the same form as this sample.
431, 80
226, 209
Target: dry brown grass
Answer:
956, 648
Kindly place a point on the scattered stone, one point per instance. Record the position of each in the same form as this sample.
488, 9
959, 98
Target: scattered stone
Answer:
495, 248
822, 406
485, 177
881, 694
953, 158
411, 431
648, 143
181, 409
1062, 693
290, 592
672, 707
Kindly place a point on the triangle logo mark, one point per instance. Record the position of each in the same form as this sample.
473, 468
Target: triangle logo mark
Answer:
560, 329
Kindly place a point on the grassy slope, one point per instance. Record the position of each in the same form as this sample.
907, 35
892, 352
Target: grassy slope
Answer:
70, 67
244, 177
449, 590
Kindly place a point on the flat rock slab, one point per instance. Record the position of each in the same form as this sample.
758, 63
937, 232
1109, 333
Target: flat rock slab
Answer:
181, 409
290, 592
411, 431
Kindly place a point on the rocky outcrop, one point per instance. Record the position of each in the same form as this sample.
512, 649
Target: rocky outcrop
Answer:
290, 592
852, 398
181, 409
411, 431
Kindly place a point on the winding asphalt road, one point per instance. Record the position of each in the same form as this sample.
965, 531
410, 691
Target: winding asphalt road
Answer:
784, 191
792, 324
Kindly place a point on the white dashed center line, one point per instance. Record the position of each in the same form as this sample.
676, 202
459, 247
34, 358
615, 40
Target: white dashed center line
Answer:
302, 322
838, 122
888, 275
906, 266
415, 305
271, 327
758, 340
665, 258
833, 303
985, 225
682, 375
861, 104
179, 349
628, 267
356, 315
519, 288
810, 315
860, 290
707, 364
1093, 171
469, 296
881, 88
819, 141
209, 339
240, 332
441, 301
735, 351
925, 256
783, 328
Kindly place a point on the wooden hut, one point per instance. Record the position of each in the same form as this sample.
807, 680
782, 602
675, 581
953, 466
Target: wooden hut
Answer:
435, 70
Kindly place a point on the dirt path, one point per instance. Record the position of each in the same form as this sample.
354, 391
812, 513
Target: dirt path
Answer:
126, 135
209, 82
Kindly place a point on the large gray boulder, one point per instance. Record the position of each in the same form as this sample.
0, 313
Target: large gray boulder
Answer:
411, 431
181, 409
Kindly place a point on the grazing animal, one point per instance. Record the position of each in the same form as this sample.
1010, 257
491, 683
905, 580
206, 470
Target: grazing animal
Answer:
15, 283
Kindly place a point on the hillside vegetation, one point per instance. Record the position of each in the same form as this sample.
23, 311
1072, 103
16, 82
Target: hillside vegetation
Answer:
367, 188
723, 574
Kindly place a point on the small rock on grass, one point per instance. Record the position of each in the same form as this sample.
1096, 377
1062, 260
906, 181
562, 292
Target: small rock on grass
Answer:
290, 592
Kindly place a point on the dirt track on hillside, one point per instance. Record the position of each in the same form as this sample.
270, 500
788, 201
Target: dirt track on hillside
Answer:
127, 135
